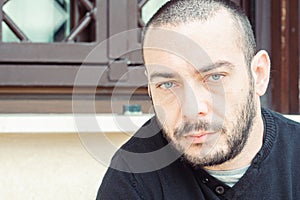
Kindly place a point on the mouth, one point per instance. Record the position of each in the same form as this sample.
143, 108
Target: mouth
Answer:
198, 137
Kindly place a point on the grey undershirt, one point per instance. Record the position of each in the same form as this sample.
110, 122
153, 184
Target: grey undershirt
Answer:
229, 177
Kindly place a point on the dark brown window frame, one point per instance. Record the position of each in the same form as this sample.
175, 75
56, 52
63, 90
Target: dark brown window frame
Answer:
59, 52
56, 64
39, 77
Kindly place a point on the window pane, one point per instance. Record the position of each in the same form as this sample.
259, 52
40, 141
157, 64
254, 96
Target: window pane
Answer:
150, 8
39, 20
8, 35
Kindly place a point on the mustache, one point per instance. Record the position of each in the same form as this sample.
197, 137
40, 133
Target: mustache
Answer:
188, 127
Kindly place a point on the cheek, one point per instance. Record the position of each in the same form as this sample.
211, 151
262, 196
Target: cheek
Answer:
225, 102
167, 109
235, 98
236, 94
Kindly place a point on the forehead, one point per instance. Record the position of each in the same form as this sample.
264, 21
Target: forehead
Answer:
220, 23
197, 43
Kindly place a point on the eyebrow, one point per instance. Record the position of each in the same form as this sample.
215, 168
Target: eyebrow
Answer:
161, 75
204, 69
215, 65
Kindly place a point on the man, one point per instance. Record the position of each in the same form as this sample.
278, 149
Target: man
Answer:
210, 138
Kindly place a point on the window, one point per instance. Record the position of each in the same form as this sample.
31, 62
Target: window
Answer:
39, 63
35, 20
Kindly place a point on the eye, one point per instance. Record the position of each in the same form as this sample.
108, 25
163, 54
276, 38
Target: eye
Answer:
166, 85
215, 77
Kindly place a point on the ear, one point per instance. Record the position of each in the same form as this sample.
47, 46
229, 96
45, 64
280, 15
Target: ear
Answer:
260, 67
149, 91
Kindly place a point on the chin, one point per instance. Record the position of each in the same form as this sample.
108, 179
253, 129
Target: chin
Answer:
200, 156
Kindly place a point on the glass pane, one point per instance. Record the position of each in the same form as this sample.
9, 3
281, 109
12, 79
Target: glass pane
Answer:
150, 8
39, 20
8, 35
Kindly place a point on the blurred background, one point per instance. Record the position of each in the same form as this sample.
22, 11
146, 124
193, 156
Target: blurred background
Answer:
45, 47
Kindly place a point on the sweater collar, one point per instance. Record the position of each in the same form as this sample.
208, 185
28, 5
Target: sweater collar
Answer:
270, 133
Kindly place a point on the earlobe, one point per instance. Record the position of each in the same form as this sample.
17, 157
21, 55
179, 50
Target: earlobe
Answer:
149, 91
260, 67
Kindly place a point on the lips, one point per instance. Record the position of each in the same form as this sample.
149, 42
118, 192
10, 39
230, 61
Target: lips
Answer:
198, 138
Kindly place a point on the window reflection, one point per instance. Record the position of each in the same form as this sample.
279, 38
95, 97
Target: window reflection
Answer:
39, 20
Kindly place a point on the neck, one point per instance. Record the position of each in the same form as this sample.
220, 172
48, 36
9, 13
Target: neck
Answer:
251, 148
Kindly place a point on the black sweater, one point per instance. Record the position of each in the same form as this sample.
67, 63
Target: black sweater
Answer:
274, 172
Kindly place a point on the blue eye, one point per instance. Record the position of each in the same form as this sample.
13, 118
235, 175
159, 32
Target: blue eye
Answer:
166, 85
215, 77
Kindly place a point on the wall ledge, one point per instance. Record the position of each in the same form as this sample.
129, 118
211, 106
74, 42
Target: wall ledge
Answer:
68, 123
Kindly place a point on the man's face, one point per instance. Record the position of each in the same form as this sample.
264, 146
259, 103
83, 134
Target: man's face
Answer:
201, 90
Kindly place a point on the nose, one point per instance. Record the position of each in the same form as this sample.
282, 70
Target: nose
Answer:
195, 101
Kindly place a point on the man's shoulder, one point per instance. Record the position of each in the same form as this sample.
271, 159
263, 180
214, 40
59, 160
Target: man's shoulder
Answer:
282, 121
147, 138
146, 151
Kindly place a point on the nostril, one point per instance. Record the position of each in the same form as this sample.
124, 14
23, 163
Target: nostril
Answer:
202, 108
202, 113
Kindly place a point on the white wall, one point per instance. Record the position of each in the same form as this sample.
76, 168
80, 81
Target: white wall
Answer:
49, 166
43, 157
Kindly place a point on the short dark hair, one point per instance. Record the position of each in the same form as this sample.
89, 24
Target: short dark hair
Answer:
176, 12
